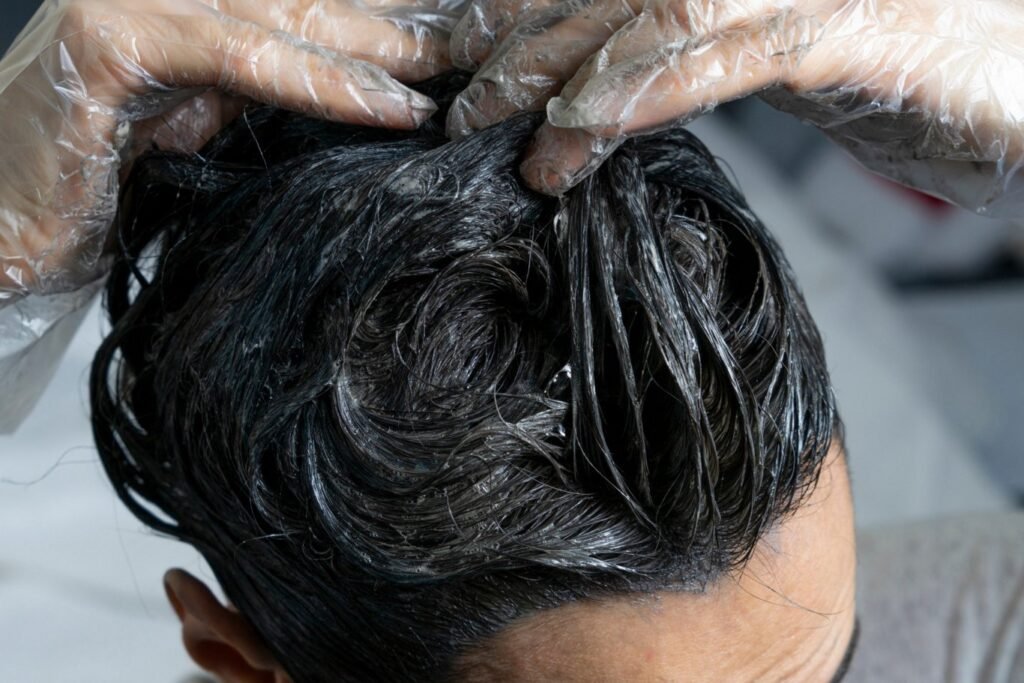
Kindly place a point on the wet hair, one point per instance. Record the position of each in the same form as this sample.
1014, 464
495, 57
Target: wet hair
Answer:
399, 401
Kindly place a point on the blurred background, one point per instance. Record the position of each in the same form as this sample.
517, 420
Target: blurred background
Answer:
921, 306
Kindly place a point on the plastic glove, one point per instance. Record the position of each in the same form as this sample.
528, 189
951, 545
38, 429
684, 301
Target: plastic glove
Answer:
89, 83
928, 92
84, 70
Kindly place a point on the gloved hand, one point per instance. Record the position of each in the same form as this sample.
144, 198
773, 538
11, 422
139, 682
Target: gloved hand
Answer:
928, 92
88, 82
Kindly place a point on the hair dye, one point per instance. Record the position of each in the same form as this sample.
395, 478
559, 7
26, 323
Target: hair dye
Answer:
398, 400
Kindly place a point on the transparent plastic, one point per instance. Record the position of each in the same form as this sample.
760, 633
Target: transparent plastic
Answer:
927, 92
90, 83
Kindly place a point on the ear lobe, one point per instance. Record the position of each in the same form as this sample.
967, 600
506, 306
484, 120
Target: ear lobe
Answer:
218, 638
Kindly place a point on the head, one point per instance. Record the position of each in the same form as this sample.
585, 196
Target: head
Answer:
425, 424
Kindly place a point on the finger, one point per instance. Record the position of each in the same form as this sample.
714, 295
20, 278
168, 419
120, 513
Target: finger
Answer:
408, 39
667, 23
642, 93
534, 62
456, 7
676, 84
486, 24
246, 59
189, 126
703, 17
559, 158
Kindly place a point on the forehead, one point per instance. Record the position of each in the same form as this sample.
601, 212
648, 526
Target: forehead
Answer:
790, 609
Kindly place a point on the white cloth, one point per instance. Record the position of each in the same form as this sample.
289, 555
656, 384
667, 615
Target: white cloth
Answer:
34, 334
942, 601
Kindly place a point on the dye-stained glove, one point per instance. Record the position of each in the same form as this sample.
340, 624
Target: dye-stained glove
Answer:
927, 92
88, 83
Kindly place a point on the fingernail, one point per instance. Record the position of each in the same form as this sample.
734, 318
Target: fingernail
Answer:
472, 38
406, 110
552, 182
556, 107
569, 115
172, 596
592, 112
422, 103
544, 177
464, 116
558, 158
421, 108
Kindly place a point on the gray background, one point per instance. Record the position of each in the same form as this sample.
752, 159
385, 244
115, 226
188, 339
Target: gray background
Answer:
13, 15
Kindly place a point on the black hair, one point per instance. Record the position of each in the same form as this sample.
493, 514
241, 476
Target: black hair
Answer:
398, 400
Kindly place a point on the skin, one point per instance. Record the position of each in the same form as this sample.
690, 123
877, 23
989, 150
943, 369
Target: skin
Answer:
606, 70
788, 615
800, 582
178, 70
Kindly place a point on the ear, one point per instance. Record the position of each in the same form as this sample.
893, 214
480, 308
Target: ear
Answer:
217, 637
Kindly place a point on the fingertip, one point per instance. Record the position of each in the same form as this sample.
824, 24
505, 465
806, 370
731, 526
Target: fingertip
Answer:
410, 106
399, 118
558, 159
472, 40
365, 94
480, 50
174, 581
548, 165
421, 109
542, 178
468, 57
571, 114
466, 113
